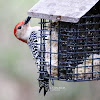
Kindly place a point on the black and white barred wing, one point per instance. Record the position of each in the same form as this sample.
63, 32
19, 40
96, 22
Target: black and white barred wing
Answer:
33, 42
34, 45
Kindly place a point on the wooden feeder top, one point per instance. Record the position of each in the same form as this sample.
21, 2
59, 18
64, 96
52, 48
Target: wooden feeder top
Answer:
61, 10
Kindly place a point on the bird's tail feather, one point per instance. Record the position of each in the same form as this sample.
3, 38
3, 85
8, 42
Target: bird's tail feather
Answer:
44, 82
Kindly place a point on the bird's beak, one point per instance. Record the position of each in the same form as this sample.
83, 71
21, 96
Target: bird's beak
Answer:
27, 20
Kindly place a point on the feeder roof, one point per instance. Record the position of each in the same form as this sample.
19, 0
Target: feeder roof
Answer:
61, 10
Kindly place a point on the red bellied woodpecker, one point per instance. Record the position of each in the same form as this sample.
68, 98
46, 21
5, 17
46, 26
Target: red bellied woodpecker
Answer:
25, 33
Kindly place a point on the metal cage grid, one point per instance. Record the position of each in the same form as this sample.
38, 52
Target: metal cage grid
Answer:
71, 51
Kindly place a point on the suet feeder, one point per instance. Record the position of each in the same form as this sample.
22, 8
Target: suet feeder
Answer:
70, 38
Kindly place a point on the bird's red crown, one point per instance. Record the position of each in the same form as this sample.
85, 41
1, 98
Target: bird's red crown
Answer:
17, 26
15, 29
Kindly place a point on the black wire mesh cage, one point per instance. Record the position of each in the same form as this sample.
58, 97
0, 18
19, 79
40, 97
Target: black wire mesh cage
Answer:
71, 51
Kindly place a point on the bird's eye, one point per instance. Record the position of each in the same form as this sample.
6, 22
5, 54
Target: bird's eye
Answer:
19, 27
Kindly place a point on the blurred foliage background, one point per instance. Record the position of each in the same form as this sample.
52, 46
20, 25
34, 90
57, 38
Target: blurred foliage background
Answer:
18, 73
